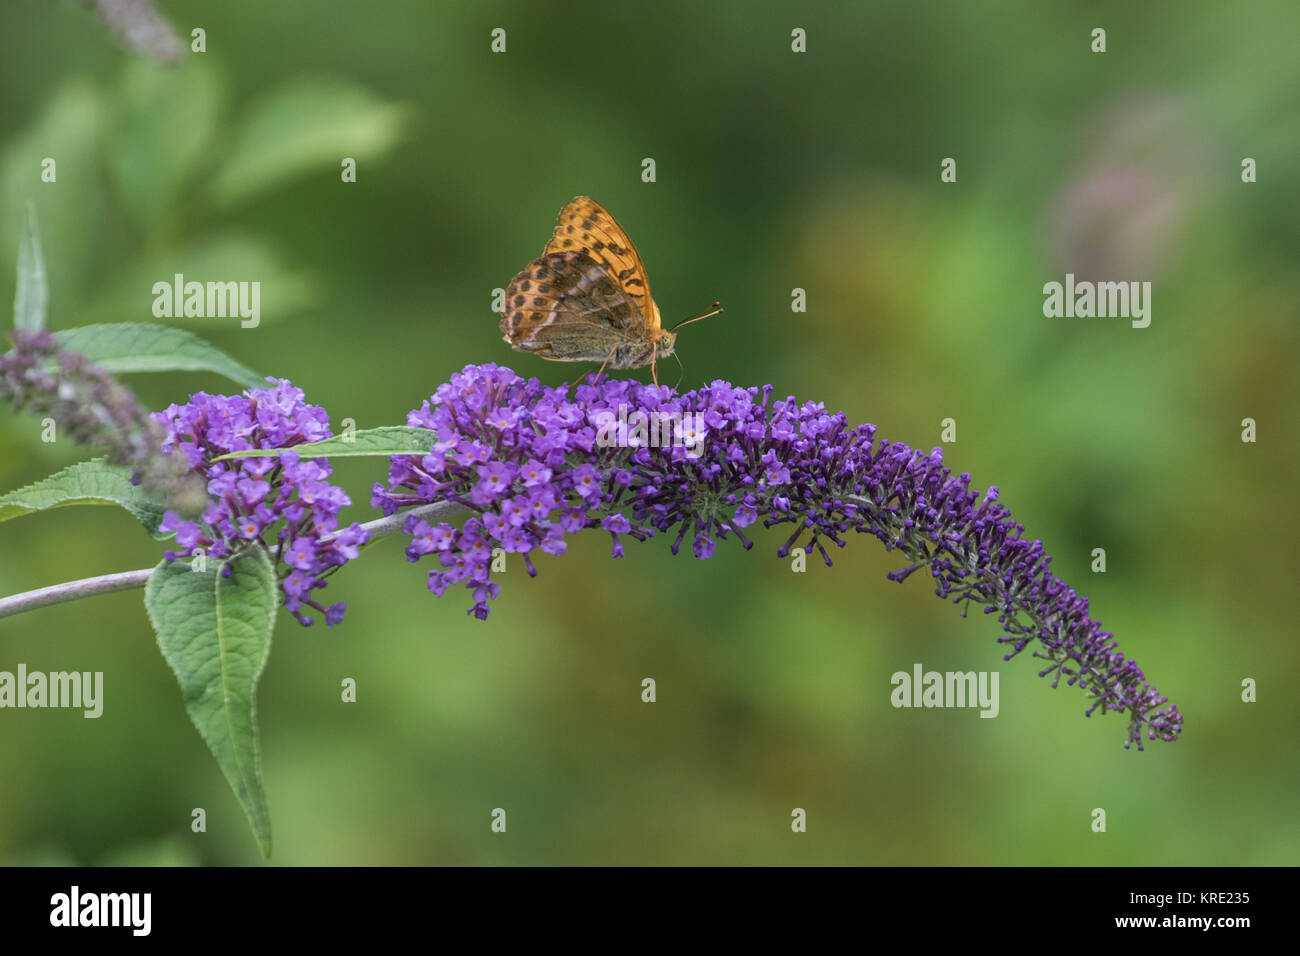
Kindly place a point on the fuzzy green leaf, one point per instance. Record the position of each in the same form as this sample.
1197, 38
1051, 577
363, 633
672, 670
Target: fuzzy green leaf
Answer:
145, 347
215, 633
91, 482
380, 442
32, 294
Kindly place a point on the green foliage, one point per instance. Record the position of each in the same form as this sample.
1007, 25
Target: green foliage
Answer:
91, 482
144, 347
164, 127
215, 632
305, 126
69, 129
32, 294
163, 139
381, 442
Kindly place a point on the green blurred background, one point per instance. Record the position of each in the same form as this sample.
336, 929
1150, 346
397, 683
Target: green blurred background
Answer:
775, 170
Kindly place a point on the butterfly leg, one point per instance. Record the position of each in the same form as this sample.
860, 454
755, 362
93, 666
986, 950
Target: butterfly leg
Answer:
601, 370
682, 366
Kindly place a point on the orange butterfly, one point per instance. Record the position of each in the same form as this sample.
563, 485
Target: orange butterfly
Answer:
587, 299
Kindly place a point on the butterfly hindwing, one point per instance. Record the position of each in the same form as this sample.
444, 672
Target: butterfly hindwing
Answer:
567, 306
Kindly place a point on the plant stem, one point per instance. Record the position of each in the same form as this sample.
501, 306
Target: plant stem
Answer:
128, 580
71, 590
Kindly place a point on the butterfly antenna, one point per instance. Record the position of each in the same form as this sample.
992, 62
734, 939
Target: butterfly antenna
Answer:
715, 309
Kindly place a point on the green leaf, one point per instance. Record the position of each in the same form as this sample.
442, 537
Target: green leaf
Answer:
306, 125
215, 633
145, 347
67, 128
161, 132
32, 293
87, 483
370, 442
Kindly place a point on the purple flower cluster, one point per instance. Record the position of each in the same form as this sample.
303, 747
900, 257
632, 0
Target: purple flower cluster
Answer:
534, 464
279, 503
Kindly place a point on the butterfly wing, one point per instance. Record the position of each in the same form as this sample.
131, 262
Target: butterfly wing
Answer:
568, 307
584, 225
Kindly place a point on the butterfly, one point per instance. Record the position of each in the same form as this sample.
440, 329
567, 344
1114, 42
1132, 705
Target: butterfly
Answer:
587, 298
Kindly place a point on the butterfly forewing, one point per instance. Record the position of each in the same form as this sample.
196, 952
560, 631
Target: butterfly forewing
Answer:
585, 225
